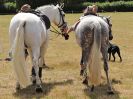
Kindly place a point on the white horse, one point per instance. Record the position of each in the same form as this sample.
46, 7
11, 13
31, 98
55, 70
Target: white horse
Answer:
28, 29
92, 34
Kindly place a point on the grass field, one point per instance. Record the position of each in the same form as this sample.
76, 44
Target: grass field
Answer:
62, 79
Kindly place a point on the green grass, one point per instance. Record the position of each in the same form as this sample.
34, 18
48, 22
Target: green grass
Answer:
62, 80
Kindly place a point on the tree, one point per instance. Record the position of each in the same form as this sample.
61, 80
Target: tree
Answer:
34, 3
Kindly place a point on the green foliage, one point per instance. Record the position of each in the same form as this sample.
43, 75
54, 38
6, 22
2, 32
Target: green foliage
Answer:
104, 6
8, 7
34, 3
70, 5
106, 0
72, 1
116, 6
1, 2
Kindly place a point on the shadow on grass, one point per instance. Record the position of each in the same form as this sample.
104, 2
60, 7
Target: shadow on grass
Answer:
100, 92
29, 92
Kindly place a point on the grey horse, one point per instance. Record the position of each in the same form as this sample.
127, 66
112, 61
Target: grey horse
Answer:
92, 35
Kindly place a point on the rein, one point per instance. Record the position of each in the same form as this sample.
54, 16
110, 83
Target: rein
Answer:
65, 35
56, 31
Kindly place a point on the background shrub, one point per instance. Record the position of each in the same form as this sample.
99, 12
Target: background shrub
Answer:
102, 6
70, 5
9, 7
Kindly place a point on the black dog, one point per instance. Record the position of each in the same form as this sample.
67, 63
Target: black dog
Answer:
112, 50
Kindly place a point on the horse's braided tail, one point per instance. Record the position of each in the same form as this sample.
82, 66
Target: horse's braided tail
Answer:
19, 57
94, 59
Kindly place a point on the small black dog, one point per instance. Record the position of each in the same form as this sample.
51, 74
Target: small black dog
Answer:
112, 50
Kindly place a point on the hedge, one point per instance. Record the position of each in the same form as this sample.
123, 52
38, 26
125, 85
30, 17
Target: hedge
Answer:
9, 7
122, 6
105, 6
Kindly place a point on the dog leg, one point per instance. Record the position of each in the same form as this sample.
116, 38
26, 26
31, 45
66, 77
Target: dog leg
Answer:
113, 54
118, 52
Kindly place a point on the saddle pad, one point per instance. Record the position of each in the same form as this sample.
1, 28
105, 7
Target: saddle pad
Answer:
46, 21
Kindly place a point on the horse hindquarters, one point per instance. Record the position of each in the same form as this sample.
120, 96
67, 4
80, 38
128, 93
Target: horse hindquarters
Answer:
19, 57
90, 43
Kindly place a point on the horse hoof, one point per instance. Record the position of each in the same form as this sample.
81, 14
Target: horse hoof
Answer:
34, 82
110, 37
85, 82
81, 72
110, 92
18, 88
92, 88
39, 90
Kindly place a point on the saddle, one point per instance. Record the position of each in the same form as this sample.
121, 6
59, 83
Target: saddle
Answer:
46, 21
43, 18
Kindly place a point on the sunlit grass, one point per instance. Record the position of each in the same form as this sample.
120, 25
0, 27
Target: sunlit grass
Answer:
62, 80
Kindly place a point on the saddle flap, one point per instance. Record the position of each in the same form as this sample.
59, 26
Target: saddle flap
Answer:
46, 21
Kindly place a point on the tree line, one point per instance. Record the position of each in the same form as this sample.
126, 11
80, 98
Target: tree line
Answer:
12, 6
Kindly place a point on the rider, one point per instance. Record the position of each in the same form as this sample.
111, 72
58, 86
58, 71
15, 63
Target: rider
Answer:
90, 10
27, 9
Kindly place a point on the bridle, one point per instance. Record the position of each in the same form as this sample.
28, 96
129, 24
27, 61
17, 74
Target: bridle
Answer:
60, 25
61, 18
108, 22
110, 30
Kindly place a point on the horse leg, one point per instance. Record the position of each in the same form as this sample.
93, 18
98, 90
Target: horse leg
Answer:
36, 62
105, 57
84, 61
118, 52
41, 60
43, 51
18, 87
110, 34
109, 56
82, 65
33, 74
26, 53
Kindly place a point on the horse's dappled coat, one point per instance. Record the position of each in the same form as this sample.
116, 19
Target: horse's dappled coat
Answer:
92, 34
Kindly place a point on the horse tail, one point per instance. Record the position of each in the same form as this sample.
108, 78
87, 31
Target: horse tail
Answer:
94, 59
18, 56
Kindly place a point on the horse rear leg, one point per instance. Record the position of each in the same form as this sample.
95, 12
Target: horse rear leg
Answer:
36, 63
84, 64
109, 56
41, 59
43, 51
26, 53
33, 74
105, 58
